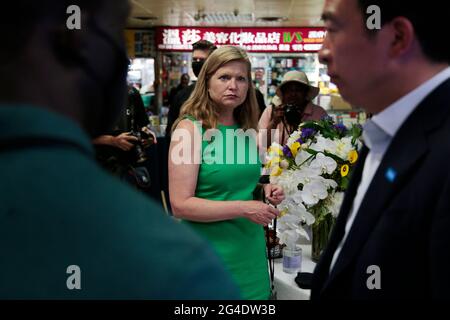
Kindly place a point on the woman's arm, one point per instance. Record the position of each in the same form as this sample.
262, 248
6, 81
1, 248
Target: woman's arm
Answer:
184, 163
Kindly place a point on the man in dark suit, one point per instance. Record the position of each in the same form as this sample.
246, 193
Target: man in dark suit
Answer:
392, 237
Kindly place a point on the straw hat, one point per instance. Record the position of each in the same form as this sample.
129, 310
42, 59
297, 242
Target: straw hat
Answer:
299, 77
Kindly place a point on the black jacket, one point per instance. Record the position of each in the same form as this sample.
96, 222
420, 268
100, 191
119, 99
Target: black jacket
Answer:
403, 226
132, 118
174, 110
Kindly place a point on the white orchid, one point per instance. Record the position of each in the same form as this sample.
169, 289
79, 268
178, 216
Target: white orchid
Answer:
313, 192
334, 203
324, 163
343, 147
324, 144
302, 156
287, 181
306, 174
291, 236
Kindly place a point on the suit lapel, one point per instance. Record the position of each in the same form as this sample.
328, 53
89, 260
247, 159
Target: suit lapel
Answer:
407, 149
391, 175
322, 268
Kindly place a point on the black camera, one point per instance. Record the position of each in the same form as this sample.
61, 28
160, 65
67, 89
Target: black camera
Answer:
139, 148
292, 114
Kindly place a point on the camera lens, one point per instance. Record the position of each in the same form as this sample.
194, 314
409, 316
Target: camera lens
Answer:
292, 114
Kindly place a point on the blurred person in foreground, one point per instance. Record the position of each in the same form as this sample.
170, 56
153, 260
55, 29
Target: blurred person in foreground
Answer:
68, 229
211, 182
391, 239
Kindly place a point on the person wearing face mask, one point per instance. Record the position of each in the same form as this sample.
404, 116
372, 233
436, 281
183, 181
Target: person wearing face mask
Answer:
200, 52
296, 95
69, 230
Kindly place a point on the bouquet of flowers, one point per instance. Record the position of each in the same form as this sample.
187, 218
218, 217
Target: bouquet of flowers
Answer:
314, 169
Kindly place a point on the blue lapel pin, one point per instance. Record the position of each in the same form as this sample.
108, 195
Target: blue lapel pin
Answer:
391, 174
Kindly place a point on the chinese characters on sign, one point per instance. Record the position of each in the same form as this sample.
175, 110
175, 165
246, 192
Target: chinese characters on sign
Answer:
251, 39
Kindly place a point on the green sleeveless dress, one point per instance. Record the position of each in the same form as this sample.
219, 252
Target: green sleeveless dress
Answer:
239, 242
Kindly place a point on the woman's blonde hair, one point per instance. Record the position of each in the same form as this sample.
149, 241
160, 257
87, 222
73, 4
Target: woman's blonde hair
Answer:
201, 107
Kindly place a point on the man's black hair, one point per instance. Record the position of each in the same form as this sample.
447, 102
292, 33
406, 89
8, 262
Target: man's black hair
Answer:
428, 18
204, 45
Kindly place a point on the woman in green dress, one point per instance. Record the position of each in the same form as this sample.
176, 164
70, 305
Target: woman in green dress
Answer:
214, 168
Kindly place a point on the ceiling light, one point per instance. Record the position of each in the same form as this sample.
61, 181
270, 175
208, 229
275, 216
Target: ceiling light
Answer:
272, 19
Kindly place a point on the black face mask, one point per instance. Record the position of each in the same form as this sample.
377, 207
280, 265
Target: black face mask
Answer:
110, 101
197, 65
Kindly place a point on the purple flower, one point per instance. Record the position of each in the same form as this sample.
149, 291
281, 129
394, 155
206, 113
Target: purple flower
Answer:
287, 152
340, 128
299, 140
307, 133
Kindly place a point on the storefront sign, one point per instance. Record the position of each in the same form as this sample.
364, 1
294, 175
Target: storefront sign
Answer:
251, 39
140, 43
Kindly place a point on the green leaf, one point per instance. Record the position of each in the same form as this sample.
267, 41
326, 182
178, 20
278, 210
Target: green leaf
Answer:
344, 183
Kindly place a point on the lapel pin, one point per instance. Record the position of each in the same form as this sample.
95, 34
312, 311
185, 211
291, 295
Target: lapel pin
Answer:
391, 174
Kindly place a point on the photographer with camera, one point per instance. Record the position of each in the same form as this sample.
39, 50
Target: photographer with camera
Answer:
123, 151
289, 108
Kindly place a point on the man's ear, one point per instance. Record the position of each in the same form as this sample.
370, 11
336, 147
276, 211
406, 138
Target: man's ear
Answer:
403, 35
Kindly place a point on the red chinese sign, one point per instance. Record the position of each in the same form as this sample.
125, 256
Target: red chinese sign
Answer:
251, 39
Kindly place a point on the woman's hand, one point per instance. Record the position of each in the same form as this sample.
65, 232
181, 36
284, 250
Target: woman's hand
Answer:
276, 116
259, 212
274, 193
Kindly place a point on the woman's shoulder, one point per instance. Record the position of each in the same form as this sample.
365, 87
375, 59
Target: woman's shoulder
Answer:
316, 109
189, 123
265, 118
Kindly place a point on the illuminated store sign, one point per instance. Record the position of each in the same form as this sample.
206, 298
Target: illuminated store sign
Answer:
251, 39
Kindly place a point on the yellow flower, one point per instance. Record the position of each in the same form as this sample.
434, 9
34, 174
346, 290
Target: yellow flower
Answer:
272, 162
294, 148
352, 156
344, 170
283, 212
276, 150
276, 171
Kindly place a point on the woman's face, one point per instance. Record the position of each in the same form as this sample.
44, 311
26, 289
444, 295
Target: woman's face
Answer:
294, 93
228, 86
